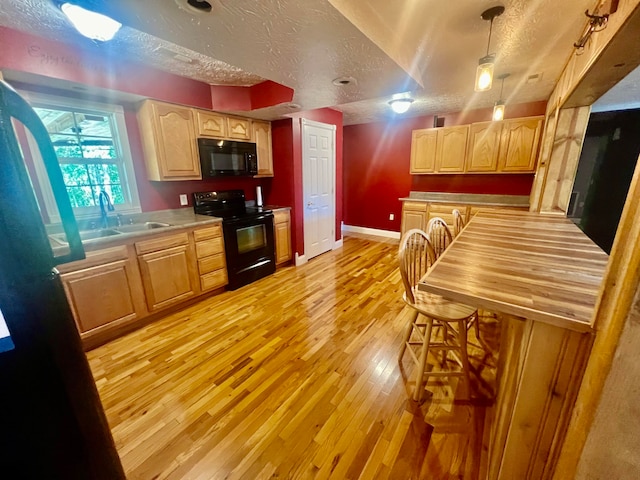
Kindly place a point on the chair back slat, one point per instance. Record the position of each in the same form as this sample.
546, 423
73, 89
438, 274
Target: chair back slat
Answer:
439, 235
415, 255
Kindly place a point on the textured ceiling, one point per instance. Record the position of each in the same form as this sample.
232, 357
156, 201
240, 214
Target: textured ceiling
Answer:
427, 47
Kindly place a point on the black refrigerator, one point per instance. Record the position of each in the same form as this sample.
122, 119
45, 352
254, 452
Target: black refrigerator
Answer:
52, 424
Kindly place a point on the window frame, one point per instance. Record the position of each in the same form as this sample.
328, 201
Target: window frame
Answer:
121, 144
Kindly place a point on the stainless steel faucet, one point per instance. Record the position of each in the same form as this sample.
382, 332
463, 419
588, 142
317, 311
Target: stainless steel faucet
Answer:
105, 207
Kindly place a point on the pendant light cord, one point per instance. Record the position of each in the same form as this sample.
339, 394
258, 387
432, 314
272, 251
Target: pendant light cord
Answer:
489, 41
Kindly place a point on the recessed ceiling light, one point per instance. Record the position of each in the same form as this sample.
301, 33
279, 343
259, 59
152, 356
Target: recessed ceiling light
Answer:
195, 6
343, 81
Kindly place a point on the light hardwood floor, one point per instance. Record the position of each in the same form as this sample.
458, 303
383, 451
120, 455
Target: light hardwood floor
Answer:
293, 377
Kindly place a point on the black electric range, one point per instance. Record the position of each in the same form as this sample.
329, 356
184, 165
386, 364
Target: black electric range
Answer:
248, 234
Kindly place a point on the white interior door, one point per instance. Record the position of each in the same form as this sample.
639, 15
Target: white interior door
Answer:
318, 189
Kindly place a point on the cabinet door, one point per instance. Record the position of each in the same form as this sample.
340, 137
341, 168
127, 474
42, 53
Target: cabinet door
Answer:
177, 154
166, 277
103, 293
262, 137
414, 215
211, 124
423, 151
519, 145
282, 234
239, 128
451, 149
484, 146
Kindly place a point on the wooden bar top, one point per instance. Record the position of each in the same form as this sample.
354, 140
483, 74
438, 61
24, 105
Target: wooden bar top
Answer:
538, 267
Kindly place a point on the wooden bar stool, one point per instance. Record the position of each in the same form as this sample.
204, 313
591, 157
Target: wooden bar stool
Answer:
458, 222
439, 235
431, 311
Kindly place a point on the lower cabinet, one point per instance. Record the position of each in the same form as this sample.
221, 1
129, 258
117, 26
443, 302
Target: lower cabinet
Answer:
164, 265
282, 235
105, 289
116, 286
211, 260
418, 214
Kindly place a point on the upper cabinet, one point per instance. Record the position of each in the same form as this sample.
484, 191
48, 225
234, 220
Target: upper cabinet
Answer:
451, 149
239, 128
169, 141
261, 134
169, 138
510, 146
211, 124
519, 145
423, 151
484, 146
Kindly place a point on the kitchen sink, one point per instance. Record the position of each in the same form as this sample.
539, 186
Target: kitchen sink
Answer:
85, 235
140, 227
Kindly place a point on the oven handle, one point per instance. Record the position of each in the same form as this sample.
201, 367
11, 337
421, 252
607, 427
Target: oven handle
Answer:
252, 220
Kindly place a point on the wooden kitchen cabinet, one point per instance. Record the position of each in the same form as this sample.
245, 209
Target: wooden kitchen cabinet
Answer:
261, 134
169, 141
210, 256
451, 149
165, 266
414, 215
484, 147
282, 235
509, 146
519, 144
239, 128
423, 150
211, 124
104, 289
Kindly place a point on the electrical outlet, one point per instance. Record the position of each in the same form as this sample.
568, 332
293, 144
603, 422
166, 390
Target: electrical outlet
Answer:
391, 216
183, 199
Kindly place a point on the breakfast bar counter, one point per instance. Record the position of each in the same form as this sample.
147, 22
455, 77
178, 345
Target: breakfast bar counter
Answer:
542, 276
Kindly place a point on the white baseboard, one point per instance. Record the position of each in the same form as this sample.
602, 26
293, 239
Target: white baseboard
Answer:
300, 260
371, 231
337, 244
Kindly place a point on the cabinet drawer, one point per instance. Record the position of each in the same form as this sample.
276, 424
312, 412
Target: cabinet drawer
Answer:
213, 280
206, 233
97, 257
415, 206
209, 247
281, 216
161, 243
209, 264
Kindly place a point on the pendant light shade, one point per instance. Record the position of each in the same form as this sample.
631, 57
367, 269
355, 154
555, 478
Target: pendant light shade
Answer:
92, 25
484, 72
499, 107
498, 111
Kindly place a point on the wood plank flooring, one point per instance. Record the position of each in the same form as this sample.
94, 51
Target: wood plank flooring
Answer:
293, 377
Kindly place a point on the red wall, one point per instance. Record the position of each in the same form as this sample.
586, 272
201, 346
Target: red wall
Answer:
286, 186
27, 53
376, 168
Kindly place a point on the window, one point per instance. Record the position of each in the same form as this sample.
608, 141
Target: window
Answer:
93, 150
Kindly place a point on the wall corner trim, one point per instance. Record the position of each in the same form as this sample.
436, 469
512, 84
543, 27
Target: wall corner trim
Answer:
300, 260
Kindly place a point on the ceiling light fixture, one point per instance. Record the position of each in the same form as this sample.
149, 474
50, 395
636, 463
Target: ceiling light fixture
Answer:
499, 107
484, 72
93, 25
400, 105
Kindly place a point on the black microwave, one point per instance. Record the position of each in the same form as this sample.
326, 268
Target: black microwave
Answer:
226, 158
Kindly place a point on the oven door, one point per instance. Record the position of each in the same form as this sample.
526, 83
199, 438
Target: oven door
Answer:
249, 248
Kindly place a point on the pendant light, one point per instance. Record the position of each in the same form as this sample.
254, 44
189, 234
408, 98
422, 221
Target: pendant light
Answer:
498, 109
484, 72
